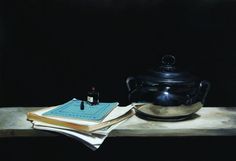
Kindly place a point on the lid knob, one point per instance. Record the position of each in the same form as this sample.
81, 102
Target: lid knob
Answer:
168, 62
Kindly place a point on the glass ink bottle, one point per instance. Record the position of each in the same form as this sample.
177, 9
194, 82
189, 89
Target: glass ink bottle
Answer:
93, 96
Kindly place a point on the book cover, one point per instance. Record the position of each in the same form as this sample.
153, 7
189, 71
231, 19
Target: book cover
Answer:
117, 115
90, 112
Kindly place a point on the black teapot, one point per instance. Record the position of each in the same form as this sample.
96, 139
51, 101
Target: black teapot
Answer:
166, 92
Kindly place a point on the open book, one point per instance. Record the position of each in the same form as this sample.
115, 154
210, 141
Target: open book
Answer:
52, 115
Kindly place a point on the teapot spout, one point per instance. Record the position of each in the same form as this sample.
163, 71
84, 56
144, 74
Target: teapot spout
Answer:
203, 90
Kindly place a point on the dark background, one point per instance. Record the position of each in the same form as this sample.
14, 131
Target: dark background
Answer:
52, 51
120, 149
55, 50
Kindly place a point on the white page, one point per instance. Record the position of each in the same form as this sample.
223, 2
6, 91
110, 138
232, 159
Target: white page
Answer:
117, 112
92, 140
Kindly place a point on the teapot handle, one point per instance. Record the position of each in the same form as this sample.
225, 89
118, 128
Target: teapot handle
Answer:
204, 87
129, 84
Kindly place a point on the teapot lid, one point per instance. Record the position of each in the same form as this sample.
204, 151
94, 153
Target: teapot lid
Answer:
167, 73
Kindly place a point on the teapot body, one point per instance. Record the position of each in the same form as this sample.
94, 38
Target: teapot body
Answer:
167, 93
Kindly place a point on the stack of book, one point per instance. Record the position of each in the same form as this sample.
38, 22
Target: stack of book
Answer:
88, 123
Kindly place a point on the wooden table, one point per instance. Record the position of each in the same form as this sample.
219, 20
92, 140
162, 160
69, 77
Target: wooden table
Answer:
208, 121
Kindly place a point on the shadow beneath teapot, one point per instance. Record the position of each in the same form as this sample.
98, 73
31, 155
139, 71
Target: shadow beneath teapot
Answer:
193, 116
168, 119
